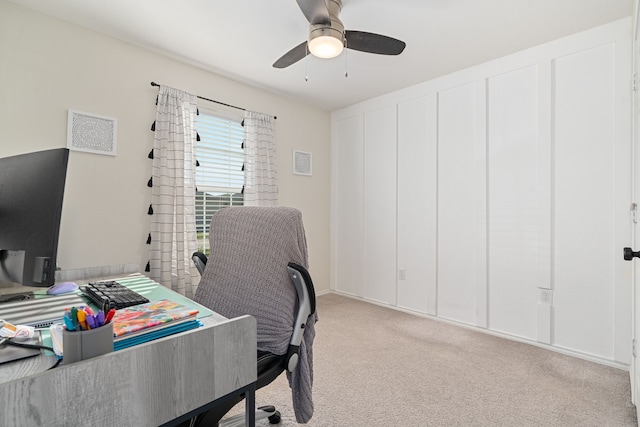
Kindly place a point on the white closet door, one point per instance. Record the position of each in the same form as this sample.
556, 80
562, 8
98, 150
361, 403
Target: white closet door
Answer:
380, 205
515, 153
461, 205
591, 188
417, 189
348, 243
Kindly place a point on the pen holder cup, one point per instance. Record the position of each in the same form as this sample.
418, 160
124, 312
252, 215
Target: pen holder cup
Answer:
81, 345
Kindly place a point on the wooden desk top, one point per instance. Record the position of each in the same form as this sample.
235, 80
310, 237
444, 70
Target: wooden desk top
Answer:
146, 385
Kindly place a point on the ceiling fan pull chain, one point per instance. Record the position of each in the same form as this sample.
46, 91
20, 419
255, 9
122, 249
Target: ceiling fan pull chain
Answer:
346, 60
306, 59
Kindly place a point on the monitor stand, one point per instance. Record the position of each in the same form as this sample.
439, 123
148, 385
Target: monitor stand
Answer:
11, 268
11, 265
10, 292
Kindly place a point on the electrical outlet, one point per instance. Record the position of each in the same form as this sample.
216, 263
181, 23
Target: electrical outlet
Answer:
402, 274
546, 296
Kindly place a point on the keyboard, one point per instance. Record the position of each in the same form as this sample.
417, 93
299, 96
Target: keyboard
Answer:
111, 294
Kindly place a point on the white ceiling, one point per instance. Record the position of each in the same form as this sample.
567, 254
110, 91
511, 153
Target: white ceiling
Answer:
241, 39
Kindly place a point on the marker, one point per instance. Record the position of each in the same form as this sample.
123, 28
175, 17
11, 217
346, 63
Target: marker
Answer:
82, 319
91, 322
74, 318
110, 315
100, 318
69, 323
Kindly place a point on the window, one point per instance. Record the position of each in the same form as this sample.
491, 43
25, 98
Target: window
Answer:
219, 178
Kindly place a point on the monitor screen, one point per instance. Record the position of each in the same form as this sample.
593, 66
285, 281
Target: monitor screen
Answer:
31, 193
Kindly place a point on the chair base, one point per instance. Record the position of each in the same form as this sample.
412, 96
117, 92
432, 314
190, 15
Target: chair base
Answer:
261, 413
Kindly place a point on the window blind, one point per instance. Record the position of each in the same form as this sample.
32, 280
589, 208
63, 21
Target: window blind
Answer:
220, 154
219, 178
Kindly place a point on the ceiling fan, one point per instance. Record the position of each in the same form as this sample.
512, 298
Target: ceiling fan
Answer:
327, 36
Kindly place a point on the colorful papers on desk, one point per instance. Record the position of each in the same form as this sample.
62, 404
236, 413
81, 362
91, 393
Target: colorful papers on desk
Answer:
153, 316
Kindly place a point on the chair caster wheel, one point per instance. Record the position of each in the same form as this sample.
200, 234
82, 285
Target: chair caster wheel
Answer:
275, 418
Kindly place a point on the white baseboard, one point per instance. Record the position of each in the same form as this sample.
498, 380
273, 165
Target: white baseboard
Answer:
568, 352
92, 272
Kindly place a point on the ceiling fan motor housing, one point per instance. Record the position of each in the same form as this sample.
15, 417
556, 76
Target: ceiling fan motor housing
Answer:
336, 30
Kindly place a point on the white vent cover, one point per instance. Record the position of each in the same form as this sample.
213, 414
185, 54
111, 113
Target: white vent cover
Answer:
91, 133
302, 163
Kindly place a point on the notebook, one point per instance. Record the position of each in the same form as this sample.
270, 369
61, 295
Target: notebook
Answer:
127, 341
144, 318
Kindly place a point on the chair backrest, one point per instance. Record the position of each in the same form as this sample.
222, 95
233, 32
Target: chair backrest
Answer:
247, 272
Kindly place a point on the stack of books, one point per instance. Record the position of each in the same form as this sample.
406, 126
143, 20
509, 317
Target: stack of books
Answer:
156, 319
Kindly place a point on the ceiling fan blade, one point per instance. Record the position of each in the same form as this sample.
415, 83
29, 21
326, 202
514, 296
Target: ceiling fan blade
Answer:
315, 11
373, 43
293, 56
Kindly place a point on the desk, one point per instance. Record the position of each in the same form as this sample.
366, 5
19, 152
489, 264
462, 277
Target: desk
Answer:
159, 382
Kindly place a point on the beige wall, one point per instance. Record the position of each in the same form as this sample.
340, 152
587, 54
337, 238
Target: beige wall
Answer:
48, 66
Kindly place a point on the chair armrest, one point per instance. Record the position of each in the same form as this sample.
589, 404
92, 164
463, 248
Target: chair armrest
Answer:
200, 260
306, 307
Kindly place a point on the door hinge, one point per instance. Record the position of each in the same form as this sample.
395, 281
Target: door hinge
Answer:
634, 349
634, 212
634, 82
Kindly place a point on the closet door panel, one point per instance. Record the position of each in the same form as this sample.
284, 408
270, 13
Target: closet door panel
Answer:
417, 189
380, 144
461, 206
514, 191
349, 175
585, 169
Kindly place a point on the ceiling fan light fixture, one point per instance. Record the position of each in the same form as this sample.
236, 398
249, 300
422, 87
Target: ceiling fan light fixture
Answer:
326, 42
327, 36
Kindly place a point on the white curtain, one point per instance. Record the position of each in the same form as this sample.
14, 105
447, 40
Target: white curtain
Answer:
173, 229
260, 175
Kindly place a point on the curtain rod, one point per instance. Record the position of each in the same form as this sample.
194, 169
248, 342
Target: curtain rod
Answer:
212, 100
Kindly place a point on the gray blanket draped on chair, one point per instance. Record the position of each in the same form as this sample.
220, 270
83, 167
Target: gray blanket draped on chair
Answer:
256, 281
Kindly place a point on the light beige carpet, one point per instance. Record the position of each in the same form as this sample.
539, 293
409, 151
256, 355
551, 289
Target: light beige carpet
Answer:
380, 367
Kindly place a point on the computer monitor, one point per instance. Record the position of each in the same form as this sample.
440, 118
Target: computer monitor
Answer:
31, 193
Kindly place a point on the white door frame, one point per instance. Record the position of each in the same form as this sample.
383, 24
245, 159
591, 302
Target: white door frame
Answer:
634, 366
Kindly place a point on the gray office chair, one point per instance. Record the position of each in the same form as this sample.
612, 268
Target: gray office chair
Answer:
258, 266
